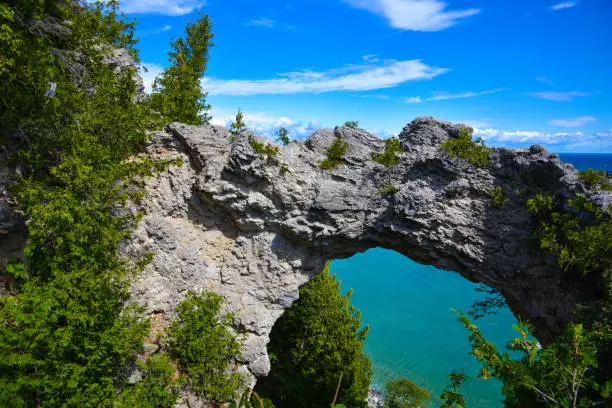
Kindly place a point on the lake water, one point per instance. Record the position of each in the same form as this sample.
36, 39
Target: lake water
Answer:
413, 332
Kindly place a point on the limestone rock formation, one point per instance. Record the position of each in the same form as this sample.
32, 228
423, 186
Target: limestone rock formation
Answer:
119, 59
230, 222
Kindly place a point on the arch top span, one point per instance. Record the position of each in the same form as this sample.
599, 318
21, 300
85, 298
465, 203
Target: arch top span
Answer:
254, 228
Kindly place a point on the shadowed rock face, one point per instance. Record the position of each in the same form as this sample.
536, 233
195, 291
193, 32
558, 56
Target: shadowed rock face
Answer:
230, 222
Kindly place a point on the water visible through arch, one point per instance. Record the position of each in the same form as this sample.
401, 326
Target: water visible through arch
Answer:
413, 332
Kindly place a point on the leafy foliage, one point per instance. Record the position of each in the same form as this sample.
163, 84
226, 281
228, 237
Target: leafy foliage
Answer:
389, 158
561, 375
335, 154
351, 124
498, 197
205, 347
387, 189
238, 127
317, 340
158, 387
581, 234
38, 48
596, 179
403, 393
68, 334
474, 152
262, 149
283, 136
451, 397
177, 93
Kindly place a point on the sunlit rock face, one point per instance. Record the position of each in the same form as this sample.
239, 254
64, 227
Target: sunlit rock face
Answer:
230, 222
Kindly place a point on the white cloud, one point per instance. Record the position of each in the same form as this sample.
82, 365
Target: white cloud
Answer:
374, 96
153, 70
352, 78
416, 15
370, 58
607, 134
573, 122
161, 30
478, 123
444, 96
526, 136
165, 7
262, 22
269, 23
266, 125
557, 96
560, 141
413, 99
564, 5
382, 133
545, 80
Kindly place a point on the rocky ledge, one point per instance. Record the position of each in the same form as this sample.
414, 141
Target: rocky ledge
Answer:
231, 222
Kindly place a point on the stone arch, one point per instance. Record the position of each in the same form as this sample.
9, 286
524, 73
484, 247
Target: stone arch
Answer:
233, 223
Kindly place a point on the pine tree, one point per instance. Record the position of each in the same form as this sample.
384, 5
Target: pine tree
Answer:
177, 93
335, 154
389, 158
205, 347
68, 334
238, 127
283, 136
451, 397
316, 341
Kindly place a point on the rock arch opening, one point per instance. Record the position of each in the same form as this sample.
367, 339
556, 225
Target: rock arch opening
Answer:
413, 333
230, 222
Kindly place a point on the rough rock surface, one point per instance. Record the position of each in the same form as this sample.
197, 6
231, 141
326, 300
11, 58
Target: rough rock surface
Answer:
232, 223
375, 399
119, 59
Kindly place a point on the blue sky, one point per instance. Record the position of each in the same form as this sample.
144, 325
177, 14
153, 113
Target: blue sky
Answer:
520, 72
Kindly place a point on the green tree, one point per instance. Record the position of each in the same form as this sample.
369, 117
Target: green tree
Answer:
403, 393
351, 124
238, 127
596, 179
68, 335
283, 136
335, 154
177, 93
205, 347
498, 198
158, 387
263, 150
451, 397
473, 151
562, 374
389, 158
577, 231
317, 340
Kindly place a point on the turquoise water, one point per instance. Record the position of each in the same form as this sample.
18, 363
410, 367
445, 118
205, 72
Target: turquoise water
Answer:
413, 332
